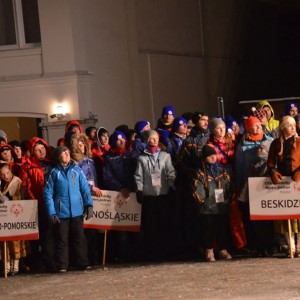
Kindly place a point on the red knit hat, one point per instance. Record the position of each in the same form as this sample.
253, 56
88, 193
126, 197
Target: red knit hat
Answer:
250, 121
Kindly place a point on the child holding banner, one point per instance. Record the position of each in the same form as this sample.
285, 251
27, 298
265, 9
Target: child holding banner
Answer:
212, 191
11, 190
284, 160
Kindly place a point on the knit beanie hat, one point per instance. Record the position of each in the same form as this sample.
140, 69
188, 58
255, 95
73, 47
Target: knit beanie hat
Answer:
57, 153
140, 125
15, 143
230, 121
197, 116
266, 145
207, 151
250, 121
285, 121
115, 137
168, 110
214, 122
259, 113
178, 122
289, 106
3, 134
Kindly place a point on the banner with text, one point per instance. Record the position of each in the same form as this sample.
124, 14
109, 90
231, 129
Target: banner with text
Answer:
113, 212
19, 220
274, 202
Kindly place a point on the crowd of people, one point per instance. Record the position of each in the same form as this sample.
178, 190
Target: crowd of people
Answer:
189, 173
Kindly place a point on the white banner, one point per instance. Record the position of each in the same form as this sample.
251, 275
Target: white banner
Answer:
113, 212
19, 220
274, 202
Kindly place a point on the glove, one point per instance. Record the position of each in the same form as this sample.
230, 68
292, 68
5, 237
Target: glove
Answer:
3, 199
139, 197
88, 212
54, 219
275, 177
296, 176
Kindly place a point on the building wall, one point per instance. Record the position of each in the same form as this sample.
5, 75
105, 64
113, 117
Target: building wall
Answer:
121, 61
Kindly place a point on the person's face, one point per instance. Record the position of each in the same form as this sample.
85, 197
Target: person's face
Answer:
93, 135
6, 174
203, 122
219, 131
81, 147
18, 151
169, 118
236, 129
289, 130
65, 157
104, 139
268, 111
255, 129
39, 152
211, 159
75, 129
182, 129
121, 143
293, 111
188, 130
153, 140
6, 156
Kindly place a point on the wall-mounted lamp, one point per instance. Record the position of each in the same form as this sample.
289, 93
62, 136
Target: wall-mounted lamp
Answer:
60, 111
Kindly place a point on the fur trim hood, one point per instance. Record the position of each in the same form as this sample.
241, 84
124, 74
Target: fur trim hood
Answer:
75, 152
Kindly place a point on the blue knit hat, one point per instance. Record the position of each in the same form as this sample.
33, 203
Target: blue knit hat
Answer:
140, 125
230, 121
289, 106
178, 122
168, 110
115, 137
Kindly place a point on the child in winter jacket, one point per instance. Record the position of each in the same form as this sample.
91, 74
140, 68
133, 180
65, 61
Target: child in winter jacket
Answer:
154, 177
68, 198
212, 190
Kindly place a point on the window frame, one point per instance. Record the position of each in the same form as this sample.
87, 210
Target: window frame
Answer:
19, 28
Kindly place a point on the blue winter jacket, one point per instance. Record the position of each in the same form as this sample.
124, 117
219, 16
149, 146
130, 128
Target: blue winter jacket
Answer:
245, 155
67, 192
118, 171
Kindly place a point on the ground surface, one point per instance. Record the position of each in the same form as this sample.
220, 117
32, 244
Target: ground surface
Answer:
242, 278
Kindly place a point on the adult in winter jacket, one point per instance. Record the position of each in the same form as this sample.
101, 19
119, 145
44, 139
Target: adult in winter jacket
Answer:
68, 198
191, 149
271, 123
119, 166
245, 156
154, 176
284, 160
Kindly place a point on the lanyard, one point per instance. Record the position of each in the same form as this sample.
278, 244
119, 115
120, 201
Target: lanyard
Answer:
153, 162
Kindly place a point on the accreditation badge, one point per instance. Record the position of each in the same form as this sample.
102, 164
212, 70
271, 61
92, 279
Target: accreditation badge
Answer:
219, 195
156, 180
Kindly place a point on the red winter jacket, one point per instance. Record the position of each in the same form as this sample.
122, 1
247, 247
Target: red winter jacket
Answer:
32, 175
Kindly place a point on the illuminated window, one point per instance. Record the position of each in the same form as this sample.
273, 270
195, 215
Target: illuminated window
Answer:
19, 24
